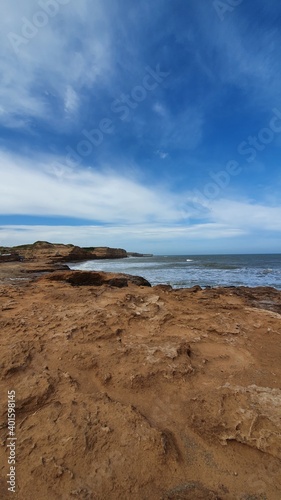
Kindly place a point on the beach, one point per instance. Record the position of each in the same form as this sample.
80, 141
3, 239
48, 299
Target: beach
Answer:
124, 390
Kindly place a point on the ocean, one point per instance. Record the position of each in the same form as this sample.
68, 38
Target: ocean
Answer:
184, 271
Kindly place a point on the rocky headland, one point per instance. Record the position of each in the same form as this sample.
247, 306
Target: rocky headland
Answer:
58, 252
127, 391
41, 257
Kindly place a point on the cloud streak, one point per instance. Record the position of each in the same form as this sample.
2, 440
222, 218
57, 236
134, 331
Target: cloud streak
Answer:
52, 63
124, 208
104, 196
127, 148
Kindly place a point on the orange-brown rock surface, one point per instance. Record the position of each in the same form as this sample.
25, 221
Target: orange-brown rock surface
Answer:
55, 252
139, 392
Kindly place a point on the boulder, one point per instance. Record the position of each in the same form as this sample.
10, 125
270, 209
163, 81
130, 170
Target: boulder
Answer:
94, 278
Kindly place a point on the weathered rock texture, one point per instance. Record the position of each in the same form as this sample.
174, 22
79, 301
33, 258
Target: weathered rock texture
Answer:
96, 278
52, 252
140, 393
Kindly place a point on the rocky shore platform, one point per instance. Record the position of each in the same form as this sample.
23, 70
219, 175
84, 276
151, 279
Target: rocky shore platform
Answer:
132, 392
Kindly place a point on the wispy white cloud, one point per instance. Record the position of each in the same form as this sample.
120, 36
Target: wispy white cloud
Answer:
71, 101
242, 58
246, 215
34, 187
182, 130
124, 208
75, 60
159, 109
141, 236
162, 154
57, 61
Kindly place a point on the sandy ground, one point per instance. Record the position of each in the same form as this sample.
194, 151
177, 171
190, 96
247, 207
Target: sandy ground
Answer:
140, 393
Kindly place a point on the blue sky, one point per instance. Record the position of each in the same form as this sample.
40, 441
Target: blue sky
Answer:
152, 126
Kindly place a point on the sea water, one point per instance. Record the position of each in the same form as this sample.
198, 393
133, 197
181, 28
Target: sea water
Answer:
182, 271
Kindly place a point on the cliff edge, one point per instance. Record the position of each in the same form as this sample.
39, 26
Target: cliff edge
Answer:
58, 252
